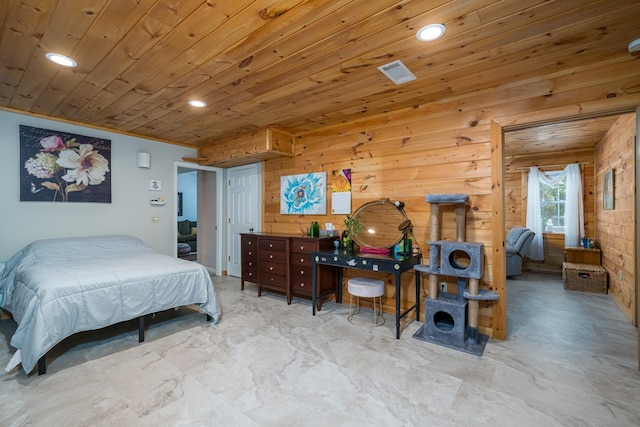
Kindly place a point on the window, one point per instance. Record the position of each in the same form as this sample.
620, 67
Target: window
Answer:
552, 204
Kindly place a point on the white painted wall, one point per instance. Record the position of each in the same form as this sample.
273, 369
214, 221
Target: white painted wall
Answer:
128, 213
188, 185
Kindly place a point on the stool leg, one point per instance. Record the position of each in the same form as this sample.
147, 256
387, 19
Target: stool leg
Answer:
357, 309
375, 312
350, 305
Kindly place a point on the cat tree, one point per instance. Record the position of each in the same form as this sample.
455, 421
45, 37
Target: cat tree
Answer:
451, 319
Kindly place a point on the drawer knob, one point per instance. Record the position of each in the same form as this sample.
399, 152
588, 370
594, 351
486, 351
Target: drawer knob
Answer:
302, 285
270, 268
301, 259
301, 272
301, 248
250, 253
270, 256
270, 245
250, 264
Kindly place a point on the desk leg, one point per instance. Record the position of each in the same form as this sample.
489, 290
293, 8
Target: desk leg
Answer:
314, 273
339, 285
417, 295
398, 282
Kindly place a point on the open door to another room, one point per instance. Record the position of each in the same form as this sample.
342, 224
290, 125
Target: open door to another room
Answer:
210, 213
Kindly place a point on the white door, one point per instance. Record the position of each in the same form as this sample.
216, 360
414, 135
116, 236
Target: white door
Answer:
244, 204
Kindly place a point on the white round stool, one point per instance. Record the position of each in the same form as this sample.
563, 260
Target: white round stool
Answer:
364, 287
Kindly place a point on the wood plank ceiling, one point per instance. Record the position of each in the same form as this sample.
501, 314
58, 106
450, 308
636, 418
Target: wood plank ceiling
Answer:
291, 64
526, 147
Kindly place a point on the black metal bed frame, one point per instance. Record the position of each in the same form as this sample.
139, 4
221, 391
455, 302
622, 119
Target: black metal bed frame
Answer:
42, 362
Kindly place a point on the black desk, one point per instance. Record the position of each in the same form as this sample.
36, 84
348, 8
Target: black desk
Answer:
383, 264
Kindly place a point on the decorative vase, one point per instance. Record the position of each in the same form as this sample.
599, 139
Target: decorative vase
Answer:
347, 242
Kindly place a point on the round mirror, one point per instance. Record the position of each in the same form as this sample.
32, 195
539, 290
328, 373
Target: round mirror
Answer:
382, 224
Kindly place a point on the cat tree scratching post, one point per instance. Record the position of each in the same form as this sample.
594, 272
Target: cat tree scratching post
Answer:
452, 319
435, 236
474, 308
461, 220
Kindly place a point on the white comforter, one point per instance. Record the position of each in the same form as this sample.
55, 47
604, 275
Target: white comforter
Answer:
57, 287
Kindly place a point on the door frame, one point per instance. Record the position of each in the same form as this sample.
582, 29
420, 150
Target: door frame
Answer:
220, 178
498, 128
637, 225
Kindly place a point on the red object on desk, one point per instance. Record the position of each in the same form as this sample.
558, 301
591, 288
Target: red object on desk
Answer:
376, 251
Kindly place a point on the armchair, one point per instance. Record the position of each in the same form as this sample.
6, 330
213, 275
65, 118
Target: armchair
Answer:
518, 241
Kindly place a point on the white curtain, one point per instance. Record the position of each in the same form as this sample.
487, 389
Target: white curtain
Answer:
573, 210
534, 215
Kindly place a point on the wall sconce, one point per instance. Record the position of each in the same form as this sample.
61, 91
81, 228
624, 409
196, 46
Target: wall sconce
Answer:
144, 160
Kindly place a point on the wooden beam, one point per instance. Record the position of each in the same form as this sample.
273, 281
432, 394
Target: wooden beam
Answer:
198, 160
499, 260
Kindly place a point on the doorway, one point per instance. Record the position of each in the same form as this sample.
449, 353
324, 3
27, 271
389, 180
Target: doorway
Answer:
209, 211
550, 147
499, 129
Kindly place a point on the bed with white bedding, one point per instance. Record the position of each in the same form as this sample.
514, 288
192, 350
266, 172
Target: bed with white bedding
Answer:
55, 288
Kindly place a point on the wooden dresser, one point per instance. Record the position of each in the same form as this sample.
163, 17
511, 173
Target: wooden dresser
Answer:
282, 263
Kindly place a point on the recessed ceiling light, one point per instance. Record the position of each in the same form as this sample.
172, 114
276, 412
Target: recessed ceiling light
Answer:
65, 61
197, 104
634, 46
430, 32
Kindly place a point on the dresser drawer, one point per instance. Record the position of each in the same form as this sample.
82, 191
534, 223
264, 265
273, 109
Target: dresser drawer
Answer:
303, 246
250, 274
279, 245
273, 257
249, 242
269, 278
301, 259
250, 263
273, 268
301, 280
249, 252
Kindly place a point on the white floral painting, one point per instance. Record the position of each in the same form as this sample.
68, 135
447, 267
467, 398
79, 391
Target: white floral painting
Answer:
303, 194
64, 167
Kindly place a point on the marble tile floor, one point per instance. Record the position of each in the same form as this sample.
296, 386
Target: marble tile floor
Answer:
570, 360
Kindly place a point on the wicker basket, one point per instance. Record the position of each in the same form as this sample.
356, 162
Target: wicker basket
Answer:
584, 277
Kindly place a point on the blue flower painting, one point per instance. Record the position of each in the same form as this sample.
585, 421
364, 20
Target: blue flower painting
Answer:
303, 194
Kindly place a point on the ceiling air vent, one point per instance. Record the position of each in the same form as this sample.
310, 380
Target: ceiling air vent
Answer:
397, 72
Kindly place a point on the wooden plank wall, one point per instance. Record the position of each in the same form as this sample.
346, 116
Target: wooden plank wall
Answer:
516, 204
440, 147
615, 228
400, 157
